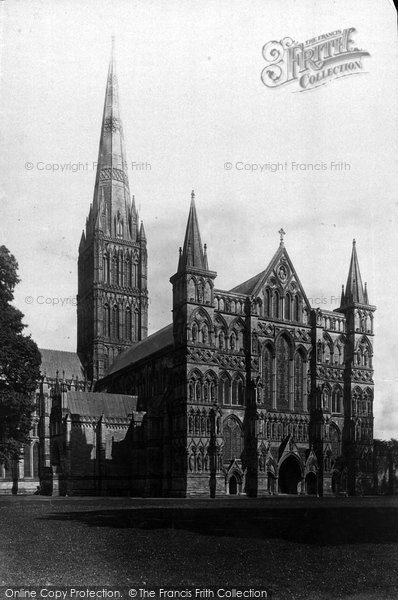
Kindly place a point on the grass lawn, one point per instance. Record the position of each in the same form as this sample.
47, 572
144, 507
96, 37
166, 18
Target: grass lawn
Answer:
293, 547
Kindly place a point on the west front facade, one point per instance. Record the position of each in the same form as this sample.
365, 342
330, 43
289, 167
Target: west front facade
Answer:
251, 390
247, 391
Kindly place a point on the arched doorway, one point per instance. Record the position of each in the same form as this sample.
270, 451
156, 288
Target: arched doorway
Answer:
311, 484
289, 475
233, 485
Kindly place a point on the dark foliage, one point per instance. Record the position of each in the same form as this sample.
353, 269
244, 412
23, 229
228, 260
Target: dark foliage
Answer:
19, 366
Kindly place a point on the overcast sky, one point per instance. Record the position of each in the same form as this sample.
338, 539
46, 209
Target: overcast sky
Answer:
192, 99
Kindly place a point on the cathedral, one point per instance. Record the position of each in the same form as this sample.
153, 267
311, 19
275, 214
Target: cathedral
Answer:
248, 391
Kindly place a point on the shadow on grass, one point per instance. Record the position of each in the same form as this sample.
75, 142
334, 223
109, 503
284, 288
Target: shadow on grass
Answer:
315, 526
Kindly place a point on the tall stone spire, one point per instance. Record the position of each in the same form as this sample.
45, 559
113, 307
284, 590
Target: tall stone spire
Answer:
111, 192
192, 253
112, 302
354, 290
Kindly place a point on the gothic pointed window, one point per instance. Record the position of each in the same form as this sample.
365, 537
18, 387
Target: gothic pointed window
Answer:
106, 321
267, 303
233, 440
275, 304
114, 271
207, 297
191, 290
237, 392
194, 332
337, 354
119, 225
106, 361
266, 374
128, 278
239, 340
365, 355
135, 274
205, 333
326, 399
206, 391
241, 394
105, 268
224, 390
136, 327
221, 337
120, 270
326, 353
232, 341
200, 292
299, 381
198, 391
337, 401
368, 397
297, 307
115, 322
288, 304
282, 373
128, 324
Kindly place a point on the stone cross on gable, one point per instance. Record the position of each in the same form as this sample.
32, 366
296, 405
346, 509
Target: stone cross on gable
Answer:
281, 233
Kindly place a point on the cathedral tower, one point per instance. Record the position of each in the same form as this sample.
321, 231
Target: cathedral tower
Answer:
112, 302
358, 384
193, 331
193, 283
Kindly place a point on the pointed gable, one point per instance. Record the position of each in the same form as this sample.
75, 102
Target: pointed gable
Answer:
280, 274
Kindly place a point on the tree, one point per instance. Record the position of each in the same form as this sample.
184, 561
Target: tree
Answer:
19, 366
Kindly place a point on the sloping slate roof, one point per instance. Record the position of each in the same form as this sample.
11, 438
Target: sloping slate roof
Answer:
155, 342
248, 286
67, 364
95, 404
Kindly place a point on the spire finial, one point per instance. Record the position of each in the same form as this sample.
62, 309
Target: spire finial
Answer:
192, 251
365, 293
281, 233
113, 43
354, 290
206, 265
